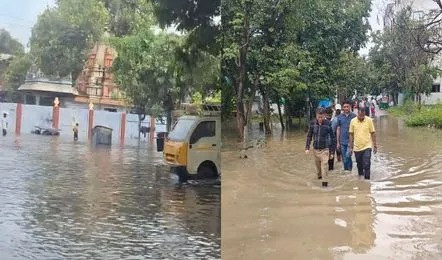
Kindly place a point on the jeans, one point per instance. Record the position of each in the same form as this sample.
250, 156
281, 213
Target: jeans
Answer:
363, 160
346, 157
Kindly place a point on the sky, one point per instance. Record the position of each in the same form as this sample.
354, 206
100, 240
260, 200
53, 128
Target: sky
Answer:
376, 20
18, 17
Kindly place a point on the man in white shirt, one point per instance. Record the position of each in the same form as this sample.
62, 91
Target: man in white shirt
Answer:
4, 124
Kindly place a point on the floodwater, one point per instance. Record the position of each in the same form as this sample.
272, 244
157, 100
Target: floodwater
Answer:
274, 208
65, 200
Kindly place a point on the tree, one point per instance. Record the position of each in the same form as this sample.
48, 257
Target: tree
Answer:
16, 72
257, 34
195, 17
402, 64
9, 45
129, 16
427, 33
146, 71
64, 34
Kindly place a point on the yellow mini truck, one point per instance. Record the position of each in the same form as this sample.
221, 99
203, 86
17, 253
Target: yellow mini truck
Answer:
193, 147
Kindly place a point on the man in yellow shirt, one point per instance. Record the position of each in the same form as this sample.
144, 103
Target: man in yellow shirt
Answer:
362, 142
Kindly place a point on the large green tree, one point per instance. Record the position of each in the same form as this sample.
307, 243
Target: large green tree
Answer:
146, 71
64, 34
401, 64
287, 47
15, 74
9, 45
129, 16
198, 18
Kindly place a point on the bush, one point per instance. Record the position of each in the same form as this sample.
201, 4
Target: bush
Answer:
427, 116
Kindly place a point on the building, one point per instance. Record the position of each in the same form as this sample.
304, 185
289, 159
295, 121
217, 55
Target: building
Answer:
41, 90
419, 10
94, 84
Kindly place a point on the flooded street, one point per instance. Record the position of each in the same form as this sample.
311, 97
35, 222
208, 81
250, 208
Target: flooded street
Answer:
65, 200
274, 208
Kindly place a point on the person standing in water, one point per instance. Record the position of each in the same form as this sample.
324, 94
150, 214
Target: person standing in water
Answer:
75, 130
343, 136
362, 142
334, 127
4, 124
321, 132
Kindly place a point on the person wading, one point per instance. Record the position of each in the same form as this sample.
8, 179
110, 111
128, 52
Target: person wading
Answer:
334, 123
362, 142
4, 124
343, 136
75, 130
321, 132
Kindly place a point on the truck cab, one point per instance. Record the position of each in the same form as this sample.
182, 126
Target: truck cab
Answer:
193, 147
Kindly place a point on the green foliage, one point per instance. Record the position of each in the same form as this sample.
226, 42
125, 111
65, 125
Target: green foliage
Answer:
64, 34
146, 70
293, 47
9, 45
16, 72
400, 64
196, 17
415, 116
129, 16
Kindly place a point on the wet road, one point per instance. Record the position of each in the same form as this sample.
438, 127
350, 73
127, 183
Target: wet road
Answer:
274, 208
60, 200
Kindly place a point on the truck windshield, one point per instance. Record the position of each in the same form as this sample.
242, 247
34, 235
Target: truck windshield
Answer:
181, 129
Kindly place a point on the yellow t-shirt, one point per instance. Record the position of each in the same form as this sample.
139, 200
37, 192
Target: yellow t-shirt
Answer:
362, 133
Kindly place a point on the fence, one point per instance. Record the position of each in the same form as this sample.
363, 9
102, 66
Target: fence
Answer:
23, 119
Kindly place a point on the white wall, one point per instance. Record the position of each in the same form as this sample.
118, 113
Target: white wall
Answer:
432, 99
10, 108
33, 115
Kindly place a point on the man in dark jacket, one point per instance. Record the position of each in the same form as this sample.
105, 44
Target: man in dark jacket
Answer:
320, 130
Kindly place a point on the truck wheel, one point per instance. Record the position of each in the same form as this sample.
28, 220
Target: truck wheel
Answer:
205, 171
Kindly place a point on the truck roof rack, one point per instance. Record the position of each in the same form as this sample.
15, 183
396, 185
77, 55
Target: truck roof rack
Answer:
206, 109
211, 109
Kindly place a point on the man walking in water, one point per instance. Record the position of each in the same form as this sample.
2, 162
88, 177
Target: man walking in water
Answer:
343, 136
4, 124
362, 142
323, 144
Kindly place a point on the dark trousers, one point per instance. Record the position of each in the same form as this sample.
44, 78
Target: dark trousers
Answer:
4, 132
331, 164
363, 161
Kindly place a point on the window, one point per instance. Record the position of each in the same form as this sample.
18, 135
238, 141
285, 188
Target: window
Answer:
110, 109
30, 100
204, 129
181, 129
46, 101
435, 88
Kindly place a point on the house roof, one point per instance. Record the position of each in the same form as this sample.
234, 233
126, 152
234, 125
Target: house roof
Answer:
49, 86
101, 101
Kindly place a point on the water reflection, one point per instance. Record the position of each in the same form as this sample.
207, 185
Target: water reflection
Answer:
69, 200
289, 216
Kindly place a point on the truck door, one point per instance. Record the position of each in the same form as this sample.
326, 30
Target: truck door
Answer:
203, 145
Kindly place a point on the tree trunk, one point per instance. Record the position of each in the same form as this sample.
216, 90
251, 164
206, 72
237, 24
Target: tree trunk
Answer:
266, 110
308, 115
281, 120
244, 45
